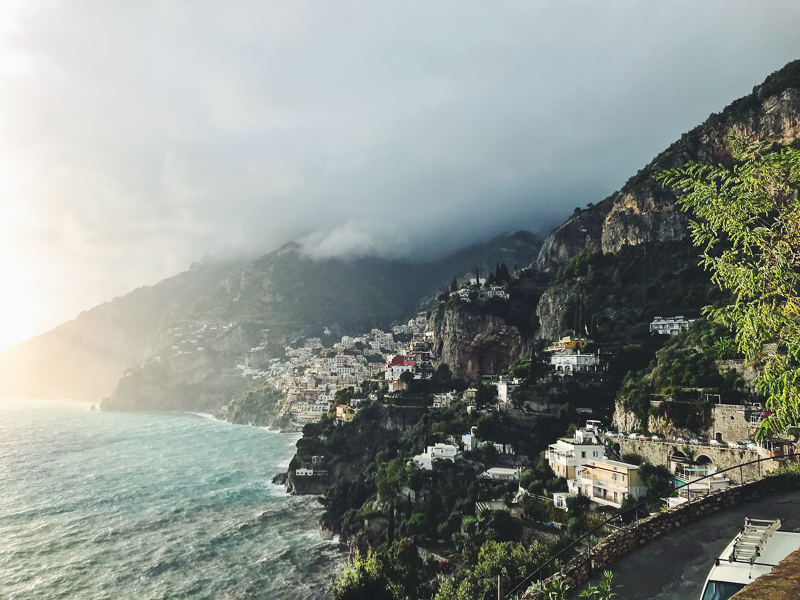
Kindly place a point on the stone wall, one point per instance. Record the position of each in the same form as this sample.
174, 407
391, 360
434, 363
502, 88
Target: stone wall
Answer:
732, 422
609, 550
659, 453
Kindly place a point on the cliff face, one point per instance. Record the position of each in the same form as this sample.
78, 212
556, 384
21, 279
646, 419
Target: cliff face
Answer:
643, 211
550, 310
473, 344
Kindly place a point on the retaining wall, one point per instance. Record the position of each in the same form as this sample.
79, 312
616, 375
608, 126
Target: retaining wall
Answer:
659, 453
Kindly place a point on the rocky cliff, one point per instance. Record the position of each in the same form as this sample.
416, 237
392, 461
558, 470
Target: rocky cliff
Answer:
475, 344
552, 307
643, 211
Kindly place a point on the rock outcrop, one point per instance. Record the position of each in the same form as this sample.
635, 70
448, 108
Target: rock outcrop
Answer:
643, 210
551, 308
474, 344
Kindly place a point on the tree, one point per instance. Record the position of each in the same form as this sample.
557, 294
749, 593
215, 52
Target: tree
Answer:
657, 479
558, 590
538, 365
407, 377
454, 285
503, 274
512, 561
390, 531
393, 574
485, 395
747, 222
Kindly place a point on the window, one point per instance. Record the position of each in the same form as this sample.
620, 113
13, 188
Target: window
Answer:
721, 590
583, 454
594, 453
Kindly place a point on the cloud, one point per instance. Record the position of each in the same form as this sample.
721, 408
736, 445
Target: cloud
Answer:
138, 136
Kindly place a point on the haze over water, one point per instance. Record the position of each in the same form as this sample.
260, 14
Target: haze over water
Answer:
150, 505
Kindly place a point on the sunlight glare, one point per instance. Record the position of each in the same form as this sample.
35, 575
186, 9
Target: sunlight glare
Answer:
15, 309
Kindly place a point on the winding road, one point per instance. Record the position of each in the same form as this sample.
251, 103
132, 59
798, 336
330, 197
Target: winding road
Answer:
675, 567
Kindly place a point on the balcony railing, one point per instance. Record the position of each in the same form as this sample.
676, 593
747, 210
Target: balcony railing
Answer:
601, 483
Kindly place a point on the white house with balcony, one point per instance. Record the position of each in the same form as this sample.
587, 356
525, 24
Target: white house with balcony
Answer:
564, 363
670, 325
443, 451
566, 455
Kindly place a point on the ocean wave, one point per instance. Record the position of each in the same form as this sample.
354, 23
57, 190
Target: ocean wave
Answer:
147, 505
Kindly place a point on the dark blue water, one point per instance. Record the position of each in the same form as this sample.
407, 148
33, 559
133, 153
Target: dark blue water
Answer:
150, 505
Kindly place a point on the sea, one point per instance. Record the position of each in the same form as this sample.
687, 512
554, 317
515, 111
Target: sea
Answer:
151, 505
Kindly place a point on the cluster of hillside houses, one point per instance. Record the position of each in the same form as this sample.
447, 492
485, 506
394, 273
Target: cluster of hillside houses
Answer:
311, 374
591, 467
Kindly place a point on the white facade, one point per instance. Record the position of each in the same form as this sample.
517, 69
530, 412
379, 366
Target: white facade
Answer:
443, 451
560, 500
670, 325
567, 454
443, 400
501, 474
575, 362
505, 388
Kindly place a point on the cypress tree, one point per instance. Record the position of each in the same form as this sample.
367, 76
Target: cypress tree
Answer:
502, 273
390, 533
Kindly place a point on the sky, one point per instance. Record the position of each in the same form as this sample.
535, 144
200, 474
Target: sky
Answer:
138, 136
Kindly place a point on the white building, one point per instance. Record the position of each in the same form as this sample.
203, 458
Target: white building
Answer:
560, 500
501, 474
575, 362
443, 400
396, 366
567, 454
506, 387
670, 325
443, 451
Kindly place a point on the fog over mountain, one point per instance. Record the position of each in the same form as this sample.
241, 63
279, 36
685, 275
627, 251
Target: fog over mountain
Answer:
139, 136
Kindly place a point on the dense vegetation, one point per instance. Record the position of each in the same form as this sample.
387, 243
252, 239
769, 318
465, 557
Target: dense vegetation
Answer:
614, 297
380, 501
687, 360
748, 226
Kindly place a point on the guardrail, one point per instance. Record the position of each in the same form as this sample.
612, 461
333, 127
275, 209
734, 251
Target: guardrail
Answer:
635, 508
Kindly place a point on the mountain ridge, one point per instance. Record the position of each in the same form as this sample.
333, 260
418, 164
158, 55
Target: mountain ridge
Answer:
642, 210
285, 290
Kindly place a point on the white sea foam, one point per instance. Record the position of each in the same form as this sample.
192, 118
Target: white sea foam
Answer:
208, 416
